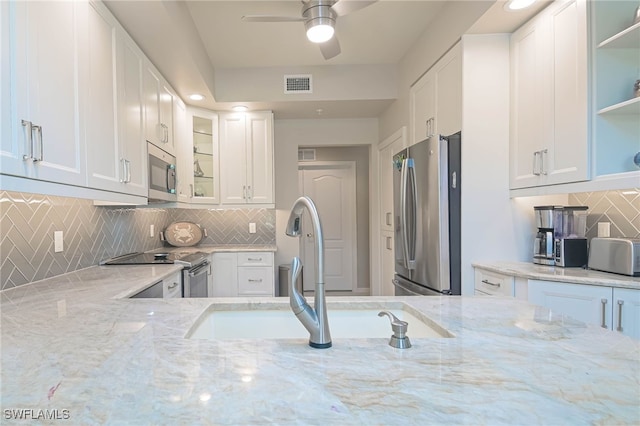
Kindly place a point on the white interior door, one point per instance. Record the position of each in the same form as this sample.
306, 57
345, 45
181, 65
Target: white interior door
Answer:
332, 187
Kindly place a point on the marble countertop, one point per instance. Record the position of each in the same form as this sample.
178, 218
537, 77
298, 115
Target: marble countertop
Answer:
218, 248
557, 273
68, 343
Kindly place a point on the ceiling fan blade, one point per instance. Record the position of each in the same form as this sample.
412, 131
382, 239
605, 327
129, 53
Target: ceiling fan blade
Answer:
271, 18
330, 48
344, 7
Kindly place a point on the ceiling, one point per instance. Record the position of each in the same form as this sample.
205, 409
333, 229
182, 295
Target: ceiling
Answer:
199, 45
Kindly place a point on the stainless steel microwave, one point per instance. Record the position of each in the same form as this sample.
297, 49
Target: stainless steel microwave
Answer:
162, 175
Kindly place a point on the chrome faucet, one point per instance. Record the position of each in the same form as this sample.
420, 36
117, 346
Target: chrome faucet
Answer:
314, 319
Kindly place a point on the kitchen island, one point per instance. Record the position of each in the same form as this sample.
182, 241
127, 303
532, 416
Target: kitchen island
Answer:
73, 346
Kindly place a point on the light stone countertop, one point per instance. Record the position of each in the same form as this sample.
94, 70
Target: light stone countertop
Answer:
220, 248
69, 344
557, 273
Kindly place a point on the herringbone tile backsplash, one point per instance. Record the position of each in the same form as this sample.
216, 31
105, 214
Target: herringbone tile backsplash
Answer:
28, 221
620, 208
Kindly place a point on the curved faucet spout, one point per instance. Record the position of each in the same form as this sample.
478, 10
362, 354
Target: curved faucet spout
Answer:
314, 320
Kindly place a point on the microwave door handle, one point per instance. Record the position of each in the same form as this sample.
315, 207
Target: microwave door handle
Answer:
411, 232
171, 179
403, 209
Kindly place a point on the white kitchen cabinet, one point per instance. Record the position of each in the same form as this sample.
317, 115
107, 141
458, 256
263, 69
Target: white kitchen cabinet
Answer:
246, 158
199, 169
549, 87
390, 146
387, 264
243, 274
172, 286
225, 275
48, 46
489, 283
6, 134
159, 107
611, 308
116, 154
615, 51
436, 98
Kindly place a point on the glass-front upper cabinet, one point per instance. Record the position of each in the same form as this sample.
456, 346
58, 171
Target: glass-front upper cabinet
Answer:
202, 161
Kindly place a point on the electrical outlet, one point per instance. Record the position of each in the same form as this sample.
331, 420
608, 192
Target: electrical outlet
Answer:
58, 242
151, 231
252, 228
604, 229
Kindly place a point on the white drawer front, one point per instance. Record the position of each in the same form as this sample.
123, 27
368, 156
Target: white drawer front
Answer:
255, 281
172, 286
255, 259
493, 283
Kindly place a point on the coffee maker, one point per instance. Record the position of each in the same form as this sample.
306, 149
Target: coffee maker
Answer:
544, 247
570, 243
560, 240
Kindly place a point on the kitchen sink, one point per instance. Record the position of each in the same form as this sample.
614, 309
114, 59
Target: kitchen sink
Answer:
276, 321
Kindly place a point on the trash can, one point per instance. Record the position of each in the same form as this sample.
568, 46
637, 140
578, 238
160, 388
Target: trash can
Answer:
284, 272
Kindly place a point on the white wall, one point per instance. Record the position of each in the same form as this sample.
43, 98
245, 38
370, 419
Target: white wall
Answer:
494, 227
289, 135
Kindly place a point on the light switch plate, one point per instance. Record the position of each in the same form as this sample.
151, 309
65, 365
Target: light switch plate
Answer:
58, 242
252, 228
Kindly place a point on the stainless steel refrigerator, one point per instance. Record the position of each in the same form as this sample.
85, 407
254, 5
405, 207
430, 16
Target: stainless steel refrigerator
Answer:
426, 198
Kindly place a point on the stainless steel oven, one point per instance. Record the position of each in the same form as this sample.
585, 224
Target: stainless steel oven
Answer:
195, 280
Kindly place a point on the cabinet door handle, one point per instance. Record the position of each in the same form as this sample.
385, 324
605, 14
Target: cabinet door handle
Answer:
543, 161
191, 189
122, 171
29, 136
249, 193
454, 180
255, 281
620, 303
388, 243
172, 286
604, 313
40, 157
536, 165
486, 281
128, 164
388, 219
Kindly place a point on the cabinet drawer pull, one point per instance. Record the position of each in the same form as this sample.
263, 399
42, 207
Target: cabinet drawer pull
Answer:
29, 135
388, 219
620, 303
254, 259
255, 281
485, 281
604, 312
388, 243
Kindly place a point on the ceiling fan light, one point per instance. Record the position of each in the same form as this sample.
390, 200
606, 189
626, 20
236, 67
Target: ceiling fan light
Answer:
320, 33
518, 4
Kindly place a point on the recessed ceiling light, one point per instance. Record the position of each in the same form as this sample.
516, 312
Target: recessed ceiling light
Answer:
196, 97
240, 108
513, 5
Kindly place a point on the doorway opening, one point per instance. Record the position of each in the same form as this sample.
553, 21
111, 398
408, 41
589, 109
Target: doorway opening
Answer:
337, 180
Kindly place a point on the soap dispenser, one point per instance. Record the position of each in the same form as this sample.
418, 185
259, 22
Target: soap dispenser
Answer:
399, 338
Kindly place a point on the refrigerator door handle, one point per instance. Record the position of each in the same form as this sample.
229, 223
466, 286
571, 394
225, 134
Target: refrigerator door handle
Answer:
403, 213
411, 231
407, 218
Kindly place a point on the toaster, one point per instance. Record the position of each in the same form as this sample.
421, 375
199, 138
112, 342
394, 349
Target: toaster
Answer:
617, 255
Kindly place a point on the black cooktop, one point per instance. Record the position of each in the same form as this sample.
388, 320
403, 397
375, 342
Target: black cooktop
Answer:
187, 259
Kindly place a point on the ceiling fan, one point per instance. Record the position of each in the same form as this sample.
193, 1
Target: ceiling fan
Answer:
319, 17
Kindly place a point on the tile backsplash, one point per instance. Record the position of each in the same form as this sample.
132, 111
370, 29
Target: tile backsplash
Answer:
28, 221
620, 208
